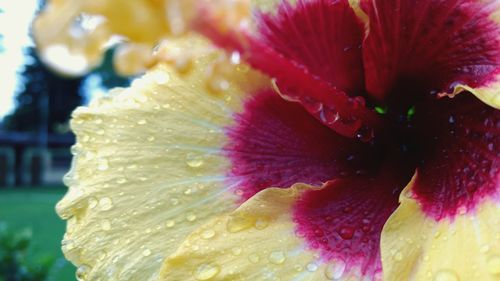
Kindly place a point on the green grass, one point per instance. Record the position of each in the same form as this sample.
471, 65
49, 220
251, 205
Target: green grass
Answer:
33, 208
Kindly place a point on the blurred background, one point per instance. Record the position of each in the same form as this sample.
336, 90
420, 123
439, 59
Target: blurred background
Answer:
35, 142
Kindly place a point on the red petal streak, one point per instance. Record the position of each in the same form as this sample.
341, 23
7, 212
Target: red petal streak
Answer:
326, 103
461, 164
435, 43
343, 221
324, 36
277, 143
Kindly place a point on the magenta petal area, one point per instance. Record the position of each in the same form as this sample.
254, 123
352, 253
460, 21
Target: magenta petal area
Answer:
275, 143
344, 219
323, 36
461, 156
300, 77
435, 44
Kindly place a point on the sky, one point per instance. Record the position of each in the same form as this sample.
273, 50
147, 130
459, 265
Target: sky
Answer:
15, 19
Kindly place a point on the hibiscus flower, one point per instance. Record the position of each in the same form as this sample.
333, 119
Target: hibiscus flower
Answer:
322, 140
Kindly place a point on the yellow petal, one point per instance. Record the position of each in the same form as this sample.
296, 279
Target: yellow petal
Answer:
416, 247
147, 171
489, 94
255, 242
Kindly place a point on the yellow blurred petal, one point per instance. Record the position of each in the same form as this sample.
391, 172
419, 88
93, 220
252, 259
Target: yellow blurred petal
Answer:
147, 170
255, 242
70, 42
416, 247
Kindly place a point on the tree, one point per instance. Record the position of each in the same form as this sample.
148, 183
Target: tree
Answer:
45, 101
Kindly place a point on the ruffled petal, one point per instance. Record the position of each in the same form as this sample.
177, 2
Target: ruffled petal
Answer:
436, 47
300, 233
148, 169
318, 70
416, 247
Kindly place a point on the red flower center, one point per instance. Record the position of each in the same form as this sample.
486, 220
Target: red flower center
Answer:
382, 86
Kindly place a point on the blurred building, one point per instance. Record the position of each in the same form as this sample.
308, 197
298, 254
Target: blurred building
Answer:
24, 162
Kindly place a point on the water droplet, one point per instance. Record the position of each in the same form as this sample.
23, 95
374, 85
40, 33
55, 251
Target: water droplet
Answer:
236, 251
335, 270
81, 272
190, 217
142, 122
346, 232
102, 164
451, 119
206, 271
261, 223
365, 134
151, 138
121, 180
105, 203
92, 202
253, 258
311, 267
146, 252
68, 245
398, 256
170, 223
105, 225
85, 138
277, 257
208, 234
194, 160
445, 275
493, 265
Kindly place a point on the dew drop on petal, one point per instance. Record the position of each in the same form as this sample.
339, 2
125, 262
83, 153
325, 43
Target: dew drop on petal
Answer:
253, 258
236, 251
190, 217
105, 203
146, 252
261, 224
193, 160
398, 256
445, 275
335, 270
208, 234
92, 202
102, 164
121, 180
81, 272
277, 257
346, 232
311, 267
206, 271
170, 223
105, 225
